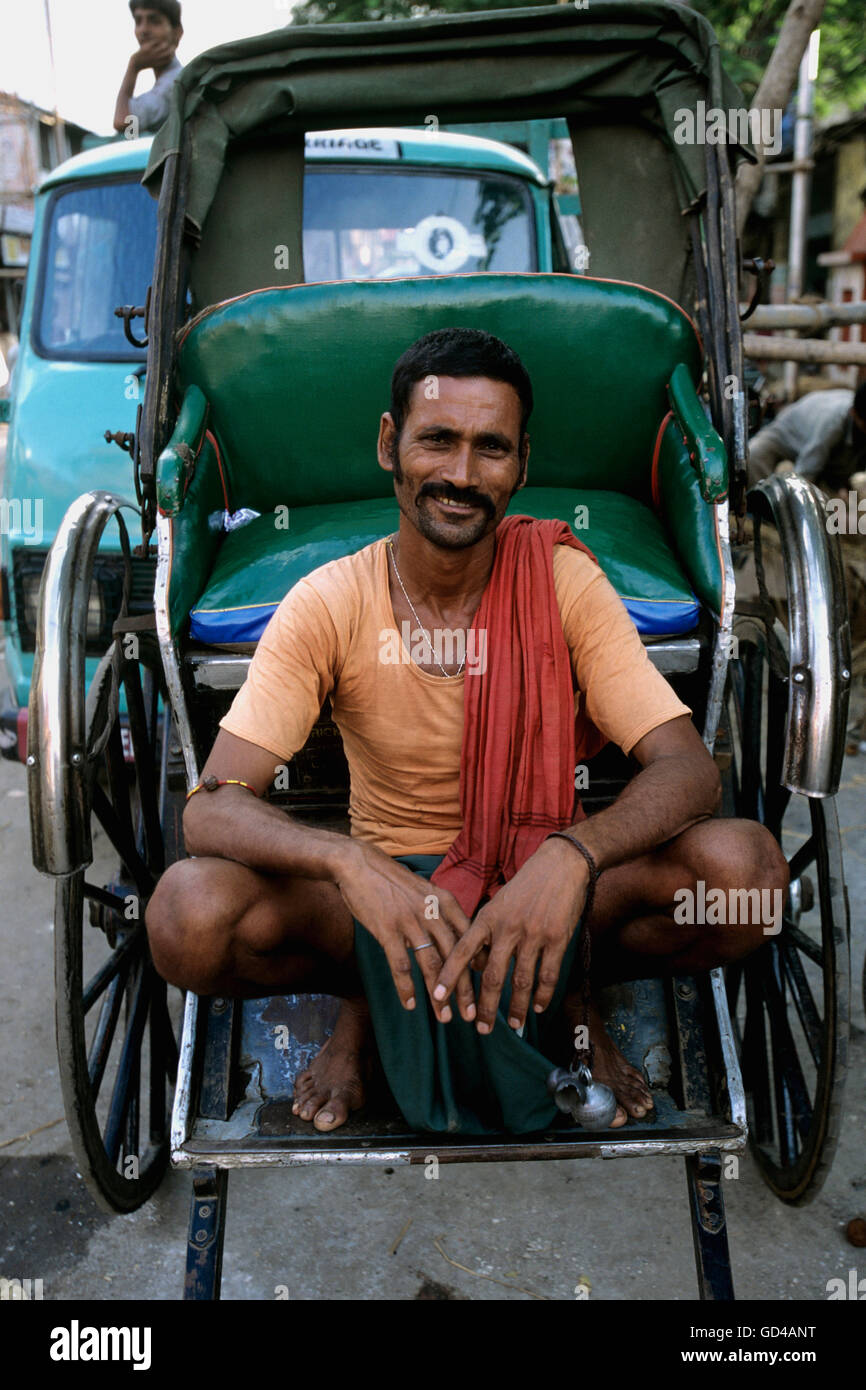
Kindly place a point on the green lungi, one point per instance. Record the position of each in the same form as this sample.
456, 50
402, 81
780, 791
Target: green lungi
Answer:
447, 1077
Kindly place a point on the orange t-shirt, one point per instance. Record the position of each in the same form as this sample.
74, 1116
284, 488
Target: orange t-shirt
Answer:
334, 635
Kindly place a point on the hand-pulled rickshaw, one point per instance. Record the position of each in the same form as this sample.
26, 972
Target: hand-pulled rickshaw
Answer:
263, 396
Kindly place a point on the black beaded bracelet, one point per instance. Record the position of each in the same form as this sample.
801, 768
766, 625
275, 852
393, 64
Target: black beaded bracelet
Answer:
594, 870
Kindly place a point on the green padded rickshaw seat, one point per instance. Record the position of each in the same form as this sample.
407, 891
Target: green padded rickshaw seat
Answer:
294, 381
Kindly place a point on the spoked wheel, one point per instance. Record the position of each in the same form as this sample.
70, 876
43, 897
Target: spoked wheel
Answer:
115, 1034
789, 1001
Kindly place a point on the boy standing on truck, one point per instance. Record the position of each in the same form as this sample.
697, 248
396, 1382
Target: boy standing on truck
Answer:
158, 30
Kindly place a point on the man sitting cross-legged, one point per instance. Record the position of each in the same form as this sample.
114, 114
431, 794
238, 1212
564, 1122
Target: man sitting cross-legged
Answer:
516, 659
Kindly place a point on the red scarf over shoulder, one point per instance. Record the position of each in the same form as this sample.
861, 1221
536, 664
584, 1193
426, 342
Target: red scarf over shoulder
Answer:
520, 734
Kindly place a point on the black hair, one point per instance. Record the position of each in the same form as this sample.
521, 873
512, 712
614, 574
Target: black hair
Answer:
860, 400
458, 352
169, 8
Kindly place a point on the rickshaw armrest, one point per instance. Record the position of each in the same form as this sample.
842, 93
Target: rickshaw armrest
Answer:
705, 447
688, 518
176, 463
195, 540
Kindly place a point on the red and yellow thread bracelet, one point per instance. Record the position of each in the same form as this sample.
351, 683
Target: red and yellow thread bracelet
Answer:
210, 784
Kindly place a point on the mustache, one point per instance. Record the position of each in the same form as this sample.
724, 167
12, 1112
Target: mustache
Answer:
468, 496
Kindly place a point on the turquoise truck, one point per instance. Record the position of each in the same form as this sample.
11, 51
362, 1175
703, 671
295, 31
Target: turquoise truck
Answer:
378, 203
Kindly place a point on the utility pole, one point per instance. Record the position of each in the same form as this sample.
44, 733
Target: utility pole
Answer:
59, 130
801, 182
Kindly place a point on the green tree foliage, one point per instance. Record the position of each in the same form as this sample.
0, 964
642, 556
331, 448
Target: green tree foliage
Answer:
747, 30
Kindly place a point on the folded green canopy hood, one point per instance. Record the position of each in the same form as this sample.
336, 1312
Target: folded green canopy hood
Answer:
614, 62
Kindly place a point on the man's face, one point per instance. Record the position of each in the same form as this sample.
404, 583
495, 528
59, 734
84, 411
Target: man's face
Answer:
151, 26
457, 463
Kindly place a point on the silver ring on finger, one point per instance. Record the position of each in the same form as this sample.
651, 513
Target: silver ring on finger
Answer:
422, 947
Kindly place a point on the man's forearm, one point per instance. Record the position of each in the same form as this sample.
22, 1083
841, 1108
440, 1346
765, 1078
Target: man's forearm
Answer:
664, 799
124, 97
231, 824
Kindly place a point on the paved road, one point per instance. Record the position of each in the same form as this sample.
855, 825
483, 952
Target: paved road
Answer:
517, 1229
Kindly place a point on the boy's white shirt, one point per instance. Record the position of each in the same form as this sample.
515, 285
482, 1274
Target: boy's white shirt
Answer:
151, 108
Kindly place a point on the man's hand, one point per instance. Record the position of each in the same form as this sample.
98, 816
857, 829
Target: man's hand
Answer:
397, 907
531, 920
155, 53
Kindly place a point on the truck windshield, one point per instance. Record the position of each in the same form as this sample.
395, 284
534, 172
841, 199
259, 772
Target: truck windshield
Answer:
370, 224
359, 224
99, 250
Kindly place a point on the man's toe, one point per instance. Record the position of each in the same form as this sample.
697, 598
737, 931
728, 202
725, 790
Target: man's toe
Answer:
302, 1087
332, 1113
312, 1104
637, 1105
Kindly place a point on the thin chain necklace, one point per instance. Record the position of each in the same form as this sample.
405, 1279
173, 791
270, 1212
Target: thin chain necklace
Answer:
449, 675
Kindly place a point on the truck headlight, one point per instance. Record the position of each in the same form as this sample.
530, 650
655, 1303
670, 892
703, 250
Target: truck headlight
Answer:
102, 606
96, 614
28, 602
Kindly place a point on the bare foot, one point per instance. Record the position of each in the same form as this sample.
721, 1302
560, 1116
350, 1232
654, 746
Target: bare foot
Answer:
633, 1095
333, 1084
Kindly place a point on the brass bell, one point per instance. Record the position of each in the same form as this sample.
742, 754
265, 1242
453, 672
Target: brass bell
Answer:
589, 1103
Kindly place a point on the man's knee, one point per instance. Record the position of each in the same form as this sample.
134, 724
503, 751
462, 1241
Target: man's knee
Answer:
743, 852
743, 860
187, 927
